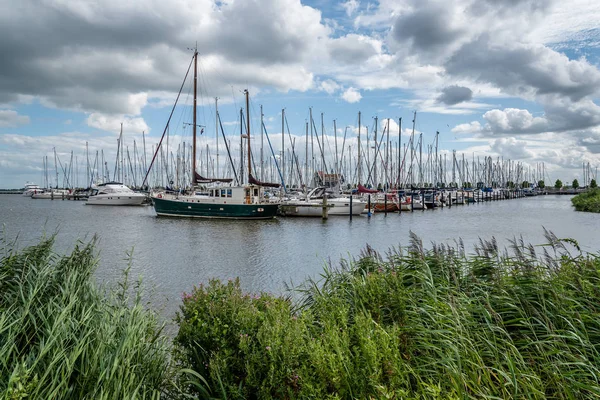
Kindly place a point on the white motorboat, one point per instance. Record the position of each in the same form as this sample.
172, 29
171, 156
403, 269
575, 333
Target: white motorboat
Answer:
51, 194
312, 205
30, 189
115, 194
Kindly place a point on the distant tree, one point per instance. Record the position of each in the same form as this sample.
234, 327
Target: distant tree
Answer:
510, 184
541, 184
593, 184
525, 184
575, 184
558, 184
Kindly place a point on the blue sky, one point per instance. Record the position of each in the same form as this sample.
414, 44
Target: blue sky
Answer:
517, 80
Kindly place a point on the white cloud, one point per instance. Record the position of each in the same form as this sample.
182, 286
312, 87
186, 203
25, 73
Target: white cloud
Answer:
112, 123
350, 6
351, 95
329, 86
12, 119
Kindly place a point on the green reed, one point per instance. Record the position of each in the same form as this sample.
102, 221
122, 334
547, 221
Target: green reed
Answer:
63, 337
414, 323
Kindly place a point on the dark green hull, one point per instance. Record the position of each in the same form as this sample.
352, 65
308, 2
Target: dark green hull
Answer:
177, 208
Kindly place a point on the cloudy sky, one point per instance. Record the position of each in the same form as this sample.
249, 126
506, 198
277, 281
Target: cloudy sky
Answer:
518, 79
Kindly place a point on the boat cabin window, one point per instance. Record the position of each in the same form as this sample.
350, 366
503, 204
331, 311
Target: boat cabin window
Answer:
222, 192
229, 194
255, 192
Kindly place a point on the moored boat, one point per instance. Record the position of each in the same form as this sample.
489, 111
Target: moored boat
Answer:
31, 189
223, 200
114, 194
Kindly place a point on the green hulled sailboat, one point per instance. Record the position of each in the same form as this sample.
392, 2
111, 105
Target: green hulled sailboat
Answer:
223, 200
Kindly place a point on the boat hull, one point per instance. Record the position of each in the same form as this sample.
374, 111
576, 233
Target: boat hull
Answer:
190, 209
315, 208
115, 200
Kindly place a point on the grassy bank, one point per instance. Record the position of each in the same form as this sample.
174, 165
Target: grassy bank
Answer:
414, 323
63, 337
587, 201
428, 324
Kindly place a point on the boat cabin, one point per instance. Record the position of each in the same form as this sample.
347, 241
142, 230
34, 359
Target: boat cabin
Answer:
250, 194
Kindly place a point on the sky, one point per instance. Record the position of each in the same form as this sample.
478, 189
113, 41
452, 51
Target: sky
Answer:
513, 79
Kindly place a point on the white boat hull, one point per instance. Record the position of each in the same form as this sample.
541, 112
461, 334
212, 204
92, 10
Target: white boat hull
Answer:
134, 199
50, 195
314, 208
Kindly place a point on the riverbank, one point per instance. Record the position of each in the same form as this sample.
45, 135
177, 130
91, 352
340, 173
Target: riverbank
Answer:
588, 201
427, 323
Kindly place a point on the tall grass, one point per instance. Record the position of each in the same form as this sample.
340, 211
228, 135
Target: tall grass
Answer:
587, 201
414, 323
62, 337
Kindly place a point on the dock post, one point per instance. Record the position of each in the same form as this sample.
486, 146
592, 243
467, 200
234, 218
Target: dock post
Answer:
369, 206
350, 206
399, 202
385, 204
324, 214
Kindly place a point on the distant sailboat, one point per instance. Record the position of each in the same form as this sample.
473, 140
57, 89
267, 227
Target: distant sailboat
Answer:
222, 201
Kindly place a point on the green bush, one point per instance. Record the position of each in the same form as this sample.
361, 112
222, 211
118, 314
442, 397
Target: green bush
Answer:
62, 337
418, 324
587, 201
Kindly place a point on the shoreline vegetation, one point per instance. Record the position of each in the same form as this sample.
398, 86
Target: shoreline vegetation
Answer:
588, 201
412, 323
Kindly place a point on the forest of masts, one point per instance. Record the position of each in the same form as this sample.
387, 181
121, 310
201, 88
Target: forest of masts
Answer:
373, 160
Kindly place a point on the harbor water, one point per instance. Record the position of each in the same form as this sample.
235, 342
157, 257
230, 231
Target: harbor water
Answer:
173, 255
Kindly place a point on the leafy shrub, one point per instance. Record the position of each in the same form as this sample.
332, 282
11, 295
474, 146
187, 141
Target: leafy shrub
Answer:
418, 324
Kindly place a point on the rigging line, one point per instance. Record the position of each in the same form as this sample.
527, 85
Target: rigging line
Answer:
294, 155
316, 134
274, 159
228, 152
169, 120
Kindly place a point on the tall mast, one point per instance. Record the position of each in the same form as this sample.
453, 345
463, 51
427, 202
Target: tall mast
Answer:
194, 121
283, 145
241, 145
323, 148
248, 130
375, 158
217, 133
359, 163
56, 167
121, 165
400, 166
336, 150
262, 160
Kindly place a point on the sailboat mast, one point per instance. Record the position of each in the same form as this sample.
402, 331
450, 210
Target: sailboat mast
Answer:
217, 133
248, 130
359, 163
194, 114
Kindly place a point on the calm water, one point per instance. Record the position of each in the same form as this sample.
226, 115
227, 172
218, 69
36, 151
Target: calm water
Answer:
174, 254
